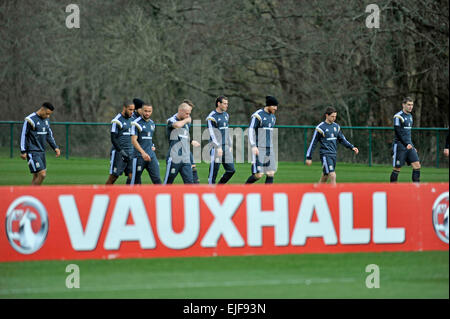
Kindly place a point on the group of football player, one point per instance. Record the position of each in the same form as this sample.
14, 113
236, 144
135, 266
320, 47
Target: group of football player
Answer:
133, 150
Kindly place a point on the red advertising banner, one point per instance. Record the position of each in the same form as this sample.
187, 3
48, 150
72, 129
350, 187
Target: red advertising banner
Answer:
105, 222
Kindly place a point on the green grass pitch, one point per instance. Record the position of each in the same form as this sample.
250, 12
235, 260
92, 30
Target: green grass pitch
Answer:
402, 274
61, 171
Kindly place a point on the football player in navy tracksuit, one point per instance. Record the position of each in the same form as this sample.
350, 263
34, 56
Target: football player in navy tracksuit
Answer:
220, 141
260, 138
35, 132
194, 143
144, 157
403, 149
122, 149
328, 133
178, 158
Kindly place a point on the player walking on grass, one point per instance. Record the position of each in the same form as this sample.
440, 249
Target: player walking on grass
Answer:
138, 103
122, 149
260, 138
220, 140
178, 158
35, 132
194, 143
144, 157
403, 149
328, 133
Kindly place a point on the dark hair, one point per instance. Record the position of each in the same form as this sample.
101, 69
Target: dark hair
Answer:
188, 102
127, 102
330, 110
407, 99
220, 99
48, 105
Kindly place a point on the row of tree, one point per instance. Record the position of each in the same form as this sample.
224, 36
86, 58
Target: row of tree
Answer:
309, 54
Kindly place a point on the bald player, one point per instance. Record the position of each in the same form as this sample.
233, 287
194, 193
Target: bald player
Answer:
194, 144
178, 158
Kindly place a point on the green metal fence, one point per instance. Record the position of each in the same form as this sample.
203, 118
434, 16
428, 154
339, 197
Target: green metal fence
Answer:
88, 139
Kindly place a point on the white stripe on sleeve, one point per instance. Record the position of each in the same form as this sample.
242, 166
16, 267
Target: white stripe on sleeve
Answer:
211, 133
23, 137
251, 132
308, 153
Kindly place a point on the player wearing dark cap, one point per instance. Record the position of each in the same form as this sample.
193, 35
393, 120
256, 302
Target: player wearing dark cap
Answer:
138, 104
36, 130
260, 137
